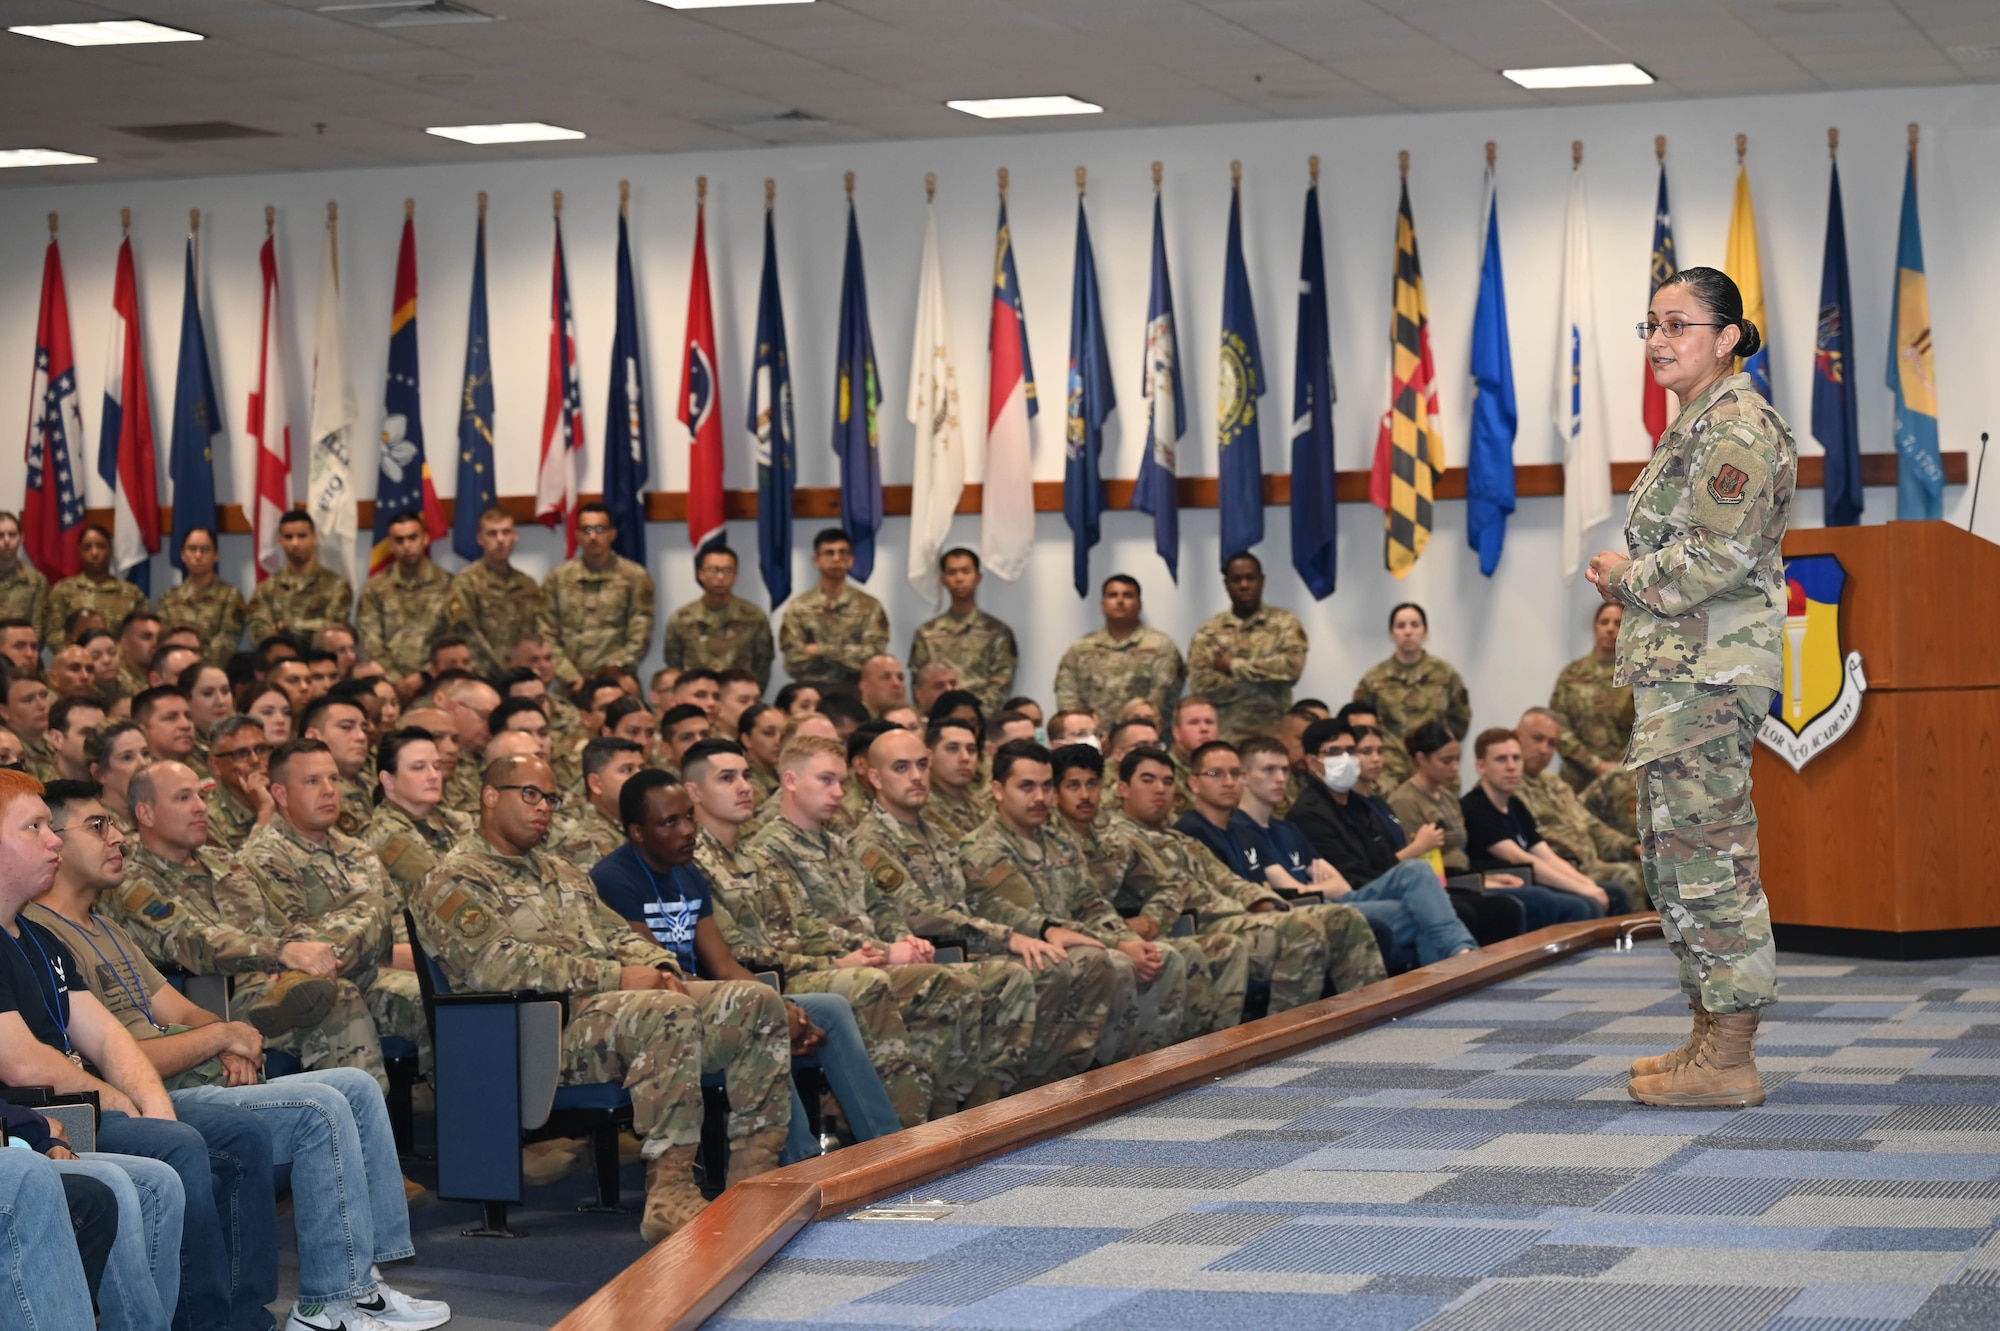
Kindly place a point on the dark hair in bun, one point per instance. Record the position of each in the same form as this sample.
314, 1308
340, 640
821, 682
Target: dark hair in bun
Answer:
1717, 290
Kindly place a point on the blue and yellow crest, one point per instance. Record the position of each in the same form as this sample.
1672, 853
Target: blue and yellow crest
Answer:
1821, 696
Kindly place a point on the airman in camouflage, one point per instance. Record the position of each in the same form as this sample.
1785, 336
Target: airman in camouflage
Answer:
402, 608
1599, 851
490, 603
1613, 799
410, 847
1702, 645
1246, 659
204, 602
230, 820
830, 632
719, 630
24, 591
96, 588
597, 609
168, 901
500, 913
1595, 714
305, 595
1104, 670
1405, 695
981, 647
324, 886
585, 836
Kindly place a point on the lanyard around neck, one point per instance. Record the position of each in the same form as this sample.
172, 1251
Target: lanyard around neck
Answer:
58, 1010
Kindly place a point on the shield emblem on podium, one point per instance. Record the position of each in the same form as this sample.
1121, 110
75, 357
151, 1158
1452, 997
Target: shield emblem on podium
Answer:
1821, 696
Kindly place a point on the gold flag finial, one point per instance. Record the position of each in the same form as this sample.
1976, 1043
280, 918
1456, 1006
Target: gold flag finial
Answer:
409, 210
194, 220
1742, 146
332, 212
1079, 181
850, 184
558, 204
125, 220
770, 193
1236, 175
1312, 169
52, 226
1003, 184
1660, 146
1403, 163
1156, 177
1913, 136
624, 197
930, 187
482, 205
1833, 140
270, 217
1576, 153
700, 191
1491, 152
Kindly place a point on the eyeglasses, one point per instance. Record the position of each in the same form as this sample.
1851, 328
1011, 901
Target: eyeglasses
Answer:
533, 795
97, 826
593, 528
1221, 774
1673, 328
243, 754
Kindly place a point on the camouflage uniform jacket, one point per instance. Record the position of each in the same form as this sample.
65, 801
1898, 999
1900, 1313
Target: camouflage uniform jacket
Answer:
299, 602
114, 598
401, 616
962, 812
980, 646
336, 893
769, 925
848, 901
357, 810
1031, 882
736, 637
499, 922
585, 837
1406, 696
597, 617
1704, 595
492, 612
40, 756
1576, 834
171, 910
1414, 809
24, 594
217, 612
1596, 715
1100, 674
230, 820
1267, 654
849, 628
1182, 874
410, 847
919, 869
132, 681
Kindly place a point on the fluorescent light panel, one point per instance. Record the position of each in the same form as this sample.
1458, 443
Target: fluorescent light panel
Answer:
41, 157
112, 32
532, 131
1580, 76
1004, 108
725, 4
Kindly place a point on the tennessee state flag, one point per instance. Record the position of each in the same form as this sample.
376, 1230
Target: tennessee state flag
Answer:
125, 438
699, 410
404, 484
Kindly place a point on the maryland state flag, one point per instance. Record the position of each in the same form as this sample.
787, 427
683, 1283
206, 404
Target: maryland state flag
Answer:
1409, 450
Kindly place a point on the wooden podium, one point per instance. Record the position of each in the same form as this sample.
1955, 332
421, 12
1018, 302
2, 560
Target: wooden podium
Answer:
1888, 842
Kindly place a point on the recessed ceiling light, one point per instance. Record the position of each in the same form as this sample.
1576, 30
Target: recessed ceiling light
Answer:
725, 4
1002, 108
41, 157
532, 131
1808, 6
1579, 76
113, 32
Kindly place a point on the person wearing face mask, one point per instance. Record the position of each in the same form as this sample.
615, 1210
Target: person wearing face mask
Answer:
1345, 829
1410, 688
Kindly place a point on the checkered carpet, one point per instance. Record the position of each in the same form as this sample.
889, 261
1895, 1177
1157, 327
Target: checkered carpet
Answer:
1478, 1167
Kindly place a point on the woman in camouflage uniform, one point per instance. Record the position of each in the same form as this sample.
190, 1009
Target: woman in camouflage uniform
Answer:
1703, 587
1596, 714
1410, 688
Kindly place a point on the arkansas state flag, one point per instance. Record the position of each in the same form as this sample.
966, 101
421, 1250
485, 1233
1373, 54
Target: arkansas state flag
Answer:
52, 508
125, 436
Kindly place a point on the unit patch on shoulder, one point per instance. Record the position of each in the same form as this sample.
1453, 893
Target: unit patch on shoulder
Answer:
887, 875
143, 900
1728, 484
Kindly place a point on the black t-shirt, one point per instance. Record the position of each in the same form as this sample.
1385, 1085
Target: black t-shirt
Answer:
36, 975
1487, 826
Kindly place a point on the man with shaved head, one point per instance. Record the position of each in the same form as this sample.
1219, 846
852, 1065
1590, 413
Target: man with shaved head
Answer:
882, 684
500, 912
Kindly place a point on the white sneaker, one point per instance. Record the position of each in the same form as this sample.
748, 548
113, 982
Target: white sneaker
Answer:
331, 1317
389, 1306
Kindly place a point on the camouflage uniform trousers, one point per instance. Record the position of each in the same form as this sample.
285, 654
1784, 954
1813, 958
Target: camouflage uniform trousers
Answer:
1287, 949
1002, 1026
643, 1039
345, 1038
912, 1019
1218, 974
1698, 843
398, 1009
1353, 957
1074, 999
1153, 1018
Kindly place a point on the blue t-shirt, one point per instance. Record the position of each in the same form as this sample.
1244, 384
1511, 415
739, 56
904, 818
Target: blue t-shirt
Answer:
1282, 844
671, 904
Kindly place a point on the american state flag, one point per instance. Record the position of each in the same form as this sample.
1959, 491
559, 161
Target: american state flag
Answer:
52, 508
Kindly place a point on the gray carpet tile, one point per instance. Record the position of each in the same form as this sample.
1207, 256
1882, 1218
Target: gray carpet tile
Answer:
1568, 1305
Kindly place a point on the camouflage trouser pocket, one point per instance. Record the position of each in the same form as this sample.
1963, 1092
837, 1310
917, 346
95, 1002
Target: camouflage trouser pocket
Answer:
1702, 860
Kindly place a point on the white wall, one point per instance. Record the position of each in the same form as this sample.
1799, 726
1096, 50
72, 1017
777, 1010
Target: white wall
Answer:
1509, 635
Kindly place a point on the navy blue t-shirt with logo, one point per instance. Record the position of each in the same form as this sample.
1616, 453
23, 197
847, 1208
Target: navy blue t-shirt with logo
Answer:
670, 903
37, 974
1282, 844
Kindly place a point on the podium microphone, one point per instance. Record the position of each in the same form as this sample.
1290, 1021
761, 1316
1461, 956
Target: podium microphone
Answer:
1977, 476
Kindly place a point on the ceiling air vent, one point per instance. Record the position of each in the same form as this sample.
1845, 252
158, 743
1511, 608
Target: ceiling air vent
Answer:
406, 13
1972, 55
196, 131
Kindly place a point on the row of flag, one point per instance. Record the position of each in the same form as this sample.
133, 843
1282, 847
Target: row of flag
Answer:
1409, 454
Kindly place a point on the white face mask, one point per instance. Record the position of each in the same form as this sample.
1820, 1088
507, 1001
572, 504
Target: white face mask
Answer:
1342, 771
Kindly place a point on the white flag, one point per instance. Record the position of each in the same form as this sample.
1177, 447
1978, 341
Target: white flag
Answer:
330, 480
1577, 406
933, 409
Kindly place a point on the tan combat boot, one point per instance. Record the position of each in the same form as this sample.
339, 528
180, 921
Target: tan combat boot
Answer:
759, 1153
672, 1199
1722, 1074
297, 1000
1658, 1063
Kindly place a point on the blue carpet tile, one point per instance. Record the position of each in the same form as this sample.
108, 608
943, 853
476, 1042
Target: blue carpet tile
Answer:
1479, 1167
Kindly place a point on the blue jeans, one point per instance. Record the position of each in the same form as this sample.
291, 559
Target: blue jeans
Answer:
1417, 909
849, 1075
142, 1281
229, 1238
41, 1277
1542, 906
332, 1128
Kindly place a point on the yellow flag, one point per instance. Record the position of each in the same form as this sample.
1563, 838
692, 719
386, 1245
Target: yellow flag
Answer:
1741, 262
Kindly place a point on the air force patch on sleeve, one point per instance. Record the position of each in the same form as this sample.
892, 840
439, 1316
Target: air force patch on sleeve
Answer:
1728, 485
